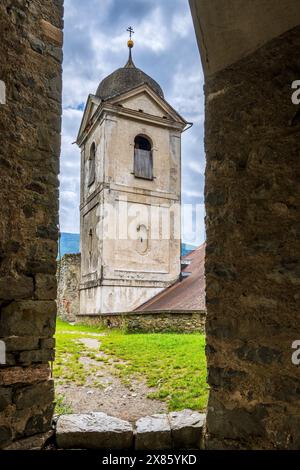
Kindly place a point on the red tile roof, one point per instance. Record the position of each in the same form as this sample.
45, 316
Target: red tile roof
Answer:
188, 294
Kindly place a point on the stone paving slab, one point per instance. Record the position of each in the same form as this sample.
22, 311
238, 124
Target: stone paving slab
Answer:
93, 431
153, 433
187, 428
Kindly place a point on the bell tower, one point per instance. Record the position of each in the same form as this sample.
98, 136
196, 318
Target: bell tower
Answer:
130, 141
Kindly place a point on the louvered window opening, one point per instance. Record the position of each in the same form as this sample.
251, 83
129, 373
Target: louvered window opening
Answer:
143, 158
92, 165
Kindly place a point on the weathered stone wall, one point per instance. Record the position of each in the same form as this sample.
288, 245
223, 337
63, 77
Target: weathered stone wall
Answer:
253, 253
68, 281
30, 57
150, 322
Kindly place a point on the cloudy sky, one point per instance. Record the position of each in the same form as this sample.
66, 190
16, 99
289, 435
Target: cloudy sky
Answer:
165, 48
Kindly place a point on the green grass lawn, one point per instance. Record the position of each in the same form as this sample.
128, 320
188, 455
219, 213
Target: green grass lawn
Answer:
173, 363
69, 349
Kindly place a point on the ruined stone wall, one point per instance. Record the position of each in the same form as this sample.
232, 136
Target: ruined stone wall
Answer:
253, 253
30, 58
150, 322
68, 281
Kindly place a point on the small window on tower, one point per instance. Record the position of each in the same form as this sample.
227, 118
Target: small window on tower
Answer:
143, 160
90, 245
92, 164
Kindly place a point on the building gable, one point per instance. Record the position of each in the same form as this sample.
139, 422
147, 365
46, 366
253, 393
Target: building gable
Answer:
143, 99
144, 103
89, 111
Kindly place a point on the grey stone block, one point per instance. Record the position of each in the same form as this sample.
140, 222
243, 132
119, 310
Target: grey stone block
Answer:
93, 431
5, 397
21, 343
28, 318
153, 433
39, 394
36, 442
40, 355
187, 428
5, 435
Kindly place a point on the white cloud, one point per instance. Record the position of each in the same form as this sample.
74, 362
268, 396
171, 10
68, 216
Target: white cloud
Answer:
151, 34
70, 172
197, 166
188, 193
181, 24
154, 34
187, 91
77, 87
73, 7
69, 196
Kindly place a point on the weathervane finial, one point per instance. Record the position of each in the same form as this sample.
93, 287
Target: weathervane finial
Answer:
130, 44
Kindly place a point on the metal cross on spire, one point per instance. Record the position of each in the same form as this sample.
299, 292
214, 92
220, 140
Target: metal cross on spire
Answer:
130, 45
130, 31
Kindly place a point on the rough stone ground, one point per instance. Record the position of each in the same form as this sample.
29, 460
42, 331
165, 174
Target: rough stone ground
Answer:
110, 396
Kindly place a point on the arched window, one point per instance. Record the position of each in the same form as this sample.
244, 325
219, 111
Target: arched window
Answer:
92, 166
143, 160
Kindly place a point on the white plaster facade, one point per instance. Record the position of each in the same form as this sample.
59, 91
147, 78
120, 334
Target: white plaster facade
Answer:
124, 263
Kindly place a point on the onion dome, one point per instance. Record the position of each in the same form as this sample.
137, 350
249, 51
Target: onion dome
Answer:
125, 79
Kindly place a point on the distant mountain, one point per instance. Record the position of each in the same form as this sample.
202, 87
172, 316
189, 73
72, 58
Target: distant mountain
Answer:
186, 249
69, 243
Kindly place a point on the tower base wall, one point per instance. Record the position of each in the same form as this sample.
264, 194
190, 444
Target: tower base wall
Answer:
114, 299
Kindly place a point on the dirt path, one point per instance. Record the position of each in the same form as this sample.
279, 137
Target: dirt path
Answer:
110, 395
